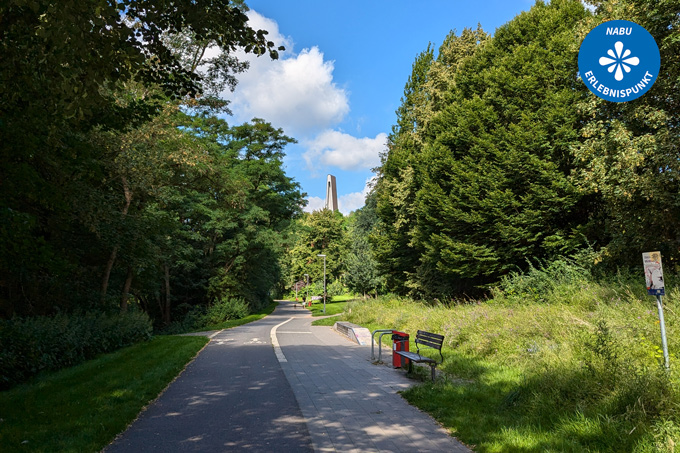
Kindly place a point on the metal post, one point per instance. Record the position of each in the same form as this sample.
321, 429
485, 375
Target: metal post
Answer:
664, 343
379, 340
307, 286
324, 285
324, 282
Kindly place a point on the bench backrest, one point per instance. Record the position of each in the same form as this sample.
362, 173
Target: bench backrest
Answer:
431, 340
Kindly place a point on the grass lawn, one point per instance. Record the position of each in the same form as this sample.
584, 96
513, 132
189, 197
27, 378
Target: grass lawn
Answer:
332, 308
84, 407
344, 298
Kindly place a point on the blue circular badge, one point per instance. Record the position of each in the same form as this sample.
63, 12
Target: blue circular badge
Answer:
619, 61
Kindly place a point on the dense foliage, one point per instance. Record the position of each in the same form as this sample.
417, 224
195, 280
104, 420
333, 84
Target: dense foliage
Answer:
501, 157
627, 154
29, 346
321, 232
118, 185
351, 264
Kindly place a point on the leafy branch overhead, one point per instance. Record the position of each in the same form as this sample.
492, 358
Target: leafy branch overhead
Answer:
64, 52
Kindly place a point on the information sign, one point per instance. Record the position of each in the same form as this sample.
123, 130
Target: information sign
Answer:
653, 273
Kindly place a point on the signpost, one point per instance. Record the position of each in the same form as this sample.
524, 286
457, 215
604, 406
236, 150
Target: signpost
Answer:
655, 287
324, 282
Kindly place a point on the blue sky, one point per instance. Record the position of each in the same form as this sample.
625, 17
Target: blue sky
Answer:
336, 87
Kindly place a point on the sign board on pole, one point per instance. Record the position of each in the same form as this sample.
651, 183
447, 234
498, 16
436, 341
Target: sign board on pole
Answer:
653, 273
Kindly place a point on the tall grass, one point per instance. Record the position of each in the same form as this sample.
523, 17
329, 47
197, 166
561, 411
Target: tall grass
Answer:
555, 361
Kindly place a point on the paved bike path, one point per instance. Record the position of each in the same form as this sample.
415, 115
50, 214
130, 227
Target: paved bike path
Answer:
232, 397
313, 391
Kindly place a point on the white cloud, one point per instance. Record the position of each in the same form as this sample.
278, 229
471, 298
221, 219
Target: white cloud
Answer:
589, 6
351, 202
296, 92
314, 204
337, 149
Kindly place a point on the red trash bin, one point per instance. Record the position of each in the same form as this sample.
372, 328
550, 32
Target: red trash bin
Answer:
399, 343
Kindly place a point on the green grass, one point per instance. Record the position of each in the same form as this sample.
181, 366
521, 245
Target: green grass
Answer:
332, 308
576, 368
83, 408
329, 321
239, 322
344, 298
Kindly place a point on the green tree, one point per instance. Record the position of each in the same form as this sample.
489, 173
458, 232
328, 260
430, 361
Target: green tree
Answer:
68, 70
320, 232
627, 155
397, 183
497, 189
363, 273
486, 185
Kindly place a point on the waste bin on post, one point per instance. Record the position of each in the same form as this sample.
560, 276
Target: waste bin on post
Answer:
399, 343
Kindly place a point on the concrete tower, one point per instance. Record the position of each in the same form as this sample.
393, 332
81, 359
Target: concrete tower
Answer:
331, 193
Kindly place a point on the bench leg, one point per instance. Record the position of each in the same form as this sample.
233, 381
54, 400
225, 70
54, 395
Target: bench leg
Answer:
432, 368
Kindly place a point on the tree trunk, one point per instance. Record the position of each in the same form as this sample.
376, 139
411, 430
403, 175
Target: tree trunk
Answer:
114, 252
166, 311
107, 273
126, 291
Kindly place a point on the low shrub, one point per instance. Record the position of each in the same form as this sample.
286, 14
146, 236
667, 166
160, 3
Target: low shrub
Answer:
29, 346
226, 309
334, 288
201, 317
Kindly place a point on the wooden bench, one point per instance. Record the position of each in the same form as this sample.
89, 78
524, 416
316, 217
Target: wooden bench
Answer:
429, 340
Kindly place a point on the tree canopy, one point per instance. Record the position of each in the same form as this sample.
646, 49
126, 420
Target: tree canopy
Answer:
501, 157
117, 182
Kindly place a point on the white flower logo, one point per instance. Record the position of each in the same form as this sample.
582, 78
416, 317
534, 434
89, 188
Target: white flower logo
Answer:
619, 60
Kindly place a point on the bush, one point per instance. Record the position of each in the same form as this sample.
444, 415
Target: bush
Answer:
29, 346
334, 288
537, 283
227, 308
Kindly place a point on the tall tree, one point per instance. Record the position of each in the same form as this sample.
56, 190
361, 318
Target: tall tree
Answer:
363, 273
628, 152
318, 233
62, 65
484, 184
497, 188
397, 182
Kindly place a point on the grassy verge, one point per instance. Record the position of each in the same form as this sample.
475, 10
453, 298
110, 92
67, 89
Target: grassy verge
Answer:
344, 298
83, 408
332, 308
239, 322
328, 321
575, 368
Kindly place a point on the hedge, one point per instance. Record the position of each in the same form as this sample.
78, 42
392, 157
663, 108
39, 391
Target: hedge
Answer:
29, 346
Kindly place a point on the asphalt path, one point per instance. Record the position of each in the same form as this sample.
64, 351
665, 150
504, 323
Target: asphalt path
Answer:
233, 396
282, 385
